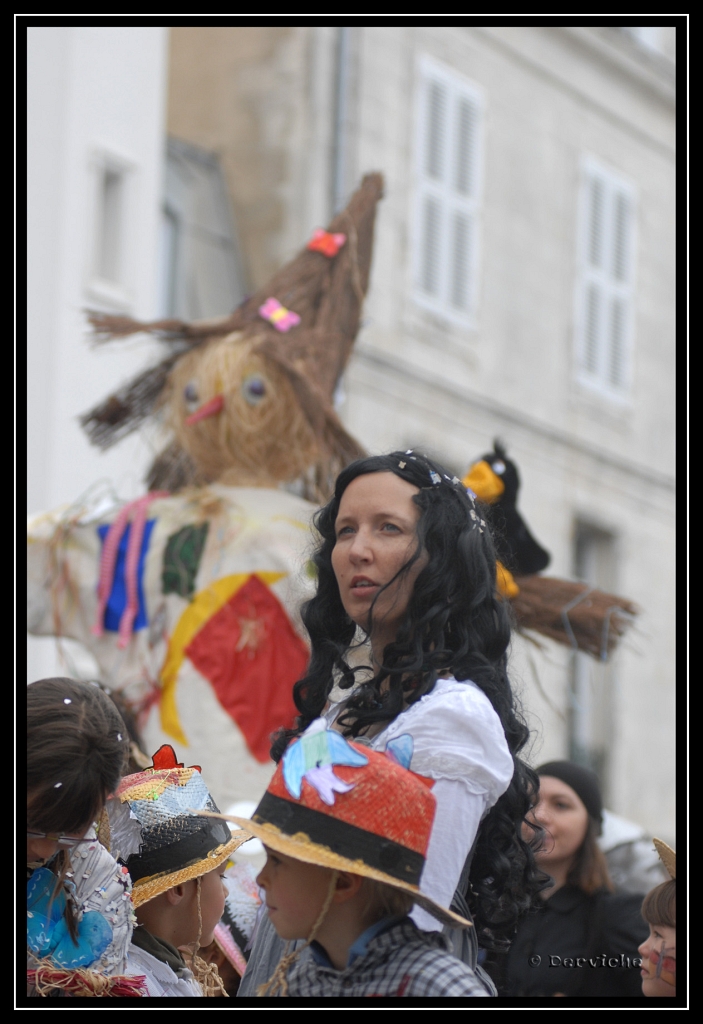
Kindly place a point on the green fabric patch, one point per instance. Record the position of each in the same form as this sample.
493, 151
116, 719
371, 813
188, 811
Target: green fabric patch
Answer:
182, 556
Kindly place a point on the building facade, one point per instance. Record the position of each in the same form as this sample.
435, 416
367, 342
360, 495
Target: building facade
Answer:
522, 285
522, 288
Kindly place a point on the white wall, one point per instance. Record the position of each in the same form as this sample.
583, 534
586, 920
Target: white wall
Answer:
551, 96
90, 91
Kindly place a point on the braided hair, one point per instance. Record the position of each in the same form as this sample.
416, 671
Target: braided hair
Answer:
454, 623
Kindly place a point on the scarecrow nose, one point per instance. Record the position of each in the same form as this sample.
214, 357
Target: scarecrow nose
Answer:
211, 408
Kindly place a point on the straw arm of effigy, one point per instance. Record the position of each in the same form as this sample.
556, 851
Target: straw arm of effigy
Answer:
572, 613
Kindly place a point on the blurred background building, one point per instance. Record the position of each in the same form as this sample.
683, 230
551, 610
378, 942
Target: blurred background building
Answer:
522, 287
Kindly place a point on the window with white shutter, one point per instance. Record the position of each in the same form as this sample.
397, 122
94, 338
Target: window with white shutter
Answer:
605, 287
448, 191
592, 682
110, 252
200, 268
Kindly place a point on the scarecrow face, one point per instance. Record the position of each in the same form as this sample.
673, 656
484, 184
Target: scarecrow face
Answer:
237, 415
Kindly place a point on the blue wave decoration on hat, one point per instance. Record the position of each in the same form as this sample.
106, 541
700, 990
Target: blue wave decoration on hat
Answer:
313, 757
400, 750
47, 931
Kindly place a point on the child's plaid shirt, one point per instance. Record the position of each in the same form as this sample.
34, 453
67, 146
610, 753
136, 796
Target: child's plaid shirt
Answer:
400, 961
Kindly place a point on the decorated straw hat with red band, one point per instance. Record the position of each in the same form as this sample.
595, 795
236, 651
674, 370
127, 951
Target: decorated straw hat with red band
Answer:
343, 806
158, 830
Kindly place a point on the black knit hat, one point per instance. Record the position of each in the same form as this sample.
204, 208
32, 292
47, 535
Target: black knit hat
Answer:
583, 781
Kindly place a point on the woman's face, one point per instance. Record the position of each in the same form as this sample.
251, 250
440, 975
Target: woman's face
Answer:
658, 952
562, 814
376, 532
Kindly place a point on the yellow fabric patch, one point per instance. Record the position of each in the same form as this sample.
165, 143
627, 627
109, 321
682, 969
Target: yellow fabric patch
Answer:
203, 606
507, 587
486, 485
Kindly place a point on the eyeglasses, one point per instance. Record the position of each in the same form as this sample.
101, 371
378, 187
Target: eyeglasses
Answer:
65, 841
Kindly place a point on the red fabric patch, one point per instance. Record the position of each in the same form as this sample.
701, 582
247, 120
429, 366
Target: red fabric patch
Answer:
252, 656
165, 758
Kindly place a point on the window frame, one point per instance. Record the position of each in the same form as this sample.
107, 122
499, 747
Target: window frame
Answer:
457, 87
587, 276
117, 293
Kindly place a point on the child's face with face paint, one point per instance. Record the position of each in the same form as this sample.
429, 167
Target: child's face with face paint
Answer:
658, 954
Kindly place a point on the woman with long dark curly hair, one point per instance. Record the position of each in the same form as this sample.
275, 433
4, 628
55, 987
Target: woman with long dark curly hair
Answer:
406, 564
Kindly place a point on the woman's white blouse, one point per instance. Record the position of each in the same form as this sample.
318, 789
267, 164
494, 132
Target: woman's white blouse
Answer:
458, 740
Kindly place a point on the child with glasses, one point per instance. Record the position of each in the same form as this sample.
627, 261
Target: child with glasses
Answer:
79, 912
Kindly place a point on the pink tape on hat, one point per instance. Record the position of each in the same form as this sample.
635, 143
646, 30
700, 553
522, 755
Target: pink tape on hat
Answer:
278, 316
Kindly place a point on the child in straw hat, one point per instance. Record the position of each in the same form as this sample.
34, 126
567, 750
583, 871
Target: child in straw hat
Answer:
658, 951
177, 859
346, 831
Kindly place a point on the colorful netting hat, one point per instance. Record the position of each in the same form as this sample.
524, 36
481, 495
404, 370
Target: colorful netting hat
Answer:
343, 806
157, 830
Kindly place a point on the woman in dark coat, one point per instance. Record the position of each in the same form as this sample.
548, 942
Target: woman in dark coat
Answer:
583, 939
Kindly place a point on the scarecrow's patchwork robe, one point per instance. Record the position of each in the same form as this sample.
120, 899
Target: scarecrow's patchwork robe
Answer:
192, 613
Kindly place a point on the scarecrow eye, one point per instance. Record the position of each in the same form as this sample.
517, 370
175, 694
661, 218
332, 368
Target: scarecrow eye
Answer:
190, 393
498, 467
254, 389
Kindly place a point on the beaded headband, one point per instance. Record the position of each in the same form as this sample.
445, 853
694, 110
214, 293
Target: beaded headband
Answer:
453, 481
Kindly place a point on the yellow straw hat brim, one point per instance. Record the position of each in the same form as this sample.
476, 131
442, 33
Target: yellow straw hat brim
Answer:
301, 847
145, 889
667, 856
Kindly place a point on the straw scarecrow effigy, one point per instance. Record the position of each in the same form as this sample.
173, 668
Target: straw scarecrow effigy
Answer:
189, 597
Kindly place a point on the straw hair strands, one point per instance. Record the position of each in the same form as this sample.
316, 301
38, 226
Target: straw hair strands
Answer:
46, 979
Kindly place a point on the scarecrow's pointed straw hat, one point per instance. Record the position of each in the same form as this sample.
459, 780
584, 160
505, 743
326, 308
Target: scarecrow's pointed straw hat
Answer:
325, 290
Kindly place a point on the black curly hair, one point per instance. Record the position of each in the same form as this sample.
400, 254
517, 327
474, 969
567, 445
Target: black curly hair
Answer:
454, 623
